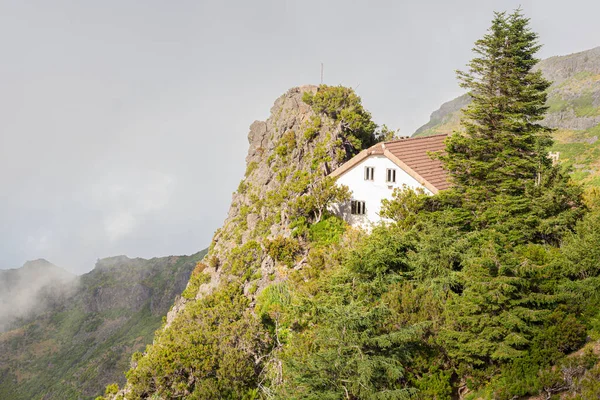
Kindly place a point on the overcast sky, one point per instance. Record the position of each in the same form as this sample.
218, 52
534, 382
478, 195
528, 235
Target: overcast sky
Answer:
123, 124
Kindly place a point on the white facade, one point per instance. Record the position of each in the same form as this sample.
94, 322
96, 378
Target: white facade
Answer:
372, 191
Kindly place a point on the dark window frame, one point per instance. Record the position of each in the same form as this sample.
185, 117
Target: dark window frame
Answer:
358, 207
390, 175
369, 173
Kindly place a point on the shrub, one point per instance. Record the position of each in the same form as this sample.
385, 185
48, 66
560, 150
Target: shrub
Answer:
198, 278
273, 299
327, 232
214, 349
282, 249
112, 389
250, 168
286, 144
244, 258
313, 130
345, 107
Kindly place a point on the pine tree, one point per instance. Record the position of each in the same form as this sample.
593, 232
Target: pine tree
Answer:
506, 195
505, 148
500, 167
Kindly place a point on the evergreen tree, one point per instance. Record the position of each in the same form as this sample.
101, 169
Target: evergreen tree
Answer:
506, 195
500, 167
505, 148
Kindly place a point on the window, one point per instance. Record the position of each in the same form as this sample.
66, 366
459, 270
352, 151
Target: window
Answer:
369, 173
357, 207
390, 175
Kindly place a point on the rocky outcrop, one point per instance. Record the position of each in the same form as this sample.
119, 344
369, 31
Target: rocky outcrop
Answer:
292, 143
310, 132
568, 119
560, 68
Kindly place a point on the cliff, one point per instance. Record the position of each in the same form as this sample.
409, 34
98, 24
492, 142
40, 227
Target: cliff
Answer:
288, 155
214, 344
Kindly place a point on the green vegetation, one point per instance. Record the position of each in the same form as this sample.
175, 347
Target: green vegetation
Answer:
84, 343
222, 359
343, 106
283, 250
489, 289
198, 277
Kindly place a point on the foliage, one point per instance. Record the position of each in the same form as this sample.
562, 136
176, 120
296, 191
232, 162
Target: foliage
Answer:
89, 338
244, 258
404, 205
345, 352
323, 192
581, 248
282, 249
313, 130
221, 360
327, 231
112, 389
343, 106
197, 278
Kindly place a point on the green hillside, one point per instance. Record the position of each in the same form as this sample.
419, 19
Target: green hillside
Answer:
486, 290
85, 341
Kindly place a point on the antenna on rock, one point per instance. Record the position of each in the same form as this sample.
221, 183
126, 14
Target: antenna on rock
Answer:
321, 73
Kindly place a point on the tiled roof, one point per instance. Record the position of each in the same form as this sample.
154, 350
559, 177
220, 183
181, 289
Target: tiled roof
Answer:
412, 156
414, 153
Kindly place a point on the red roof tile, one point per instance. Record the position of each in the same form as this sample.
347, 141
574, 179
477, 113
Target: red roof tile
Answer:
414, 152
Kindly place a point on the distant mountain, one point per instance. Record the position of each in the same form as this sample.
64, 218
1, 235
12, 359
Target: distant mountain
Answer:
31, 289
574, 110
82, 340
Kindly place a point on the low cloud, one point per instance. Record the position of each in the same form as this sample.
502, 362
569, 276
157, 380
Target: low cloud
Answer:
125, 200
31, 290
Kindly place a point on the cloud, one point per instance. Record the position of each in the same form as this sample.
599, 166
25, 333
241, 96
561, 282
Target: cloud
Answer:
119, 225
40, 242
124, 127
124, 200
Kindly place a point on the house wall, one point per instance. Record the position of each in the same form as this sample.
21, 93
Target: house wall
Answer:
372, 192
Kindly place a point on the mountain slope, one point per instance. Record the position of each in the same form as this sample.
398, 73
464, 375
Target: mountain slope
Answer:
25, 292
84, 342
214, 345
574, 110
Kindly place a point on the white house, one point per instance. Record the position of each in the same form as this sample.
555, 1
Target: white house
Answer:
374, 173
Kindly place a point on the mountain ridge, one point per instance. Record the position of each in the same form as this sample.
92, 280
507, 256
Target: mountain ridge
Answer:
84, 339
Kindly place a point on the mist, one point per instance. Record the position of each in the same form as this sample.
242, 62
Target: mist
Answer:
29, 291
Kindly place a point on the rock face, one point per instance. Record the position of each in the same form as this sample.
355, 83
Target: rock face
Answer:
560, 68
84, 340
574, 111
310, 132
444, 119
281, 136
291, 144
